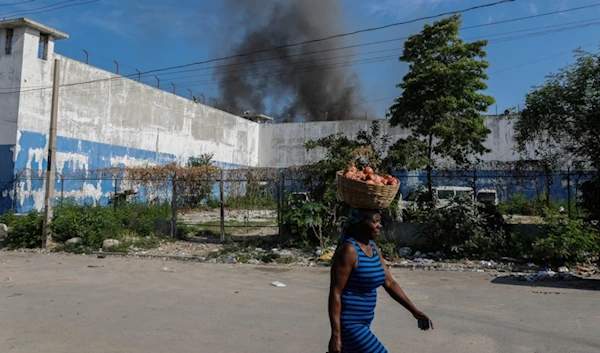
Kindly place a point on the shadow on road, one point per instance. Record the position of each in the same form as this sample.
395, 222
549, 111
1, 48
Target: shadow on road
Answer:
581, 283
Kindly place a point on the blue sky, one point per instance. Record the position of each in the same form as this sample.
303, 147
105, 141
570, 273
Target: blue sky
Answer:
152, 34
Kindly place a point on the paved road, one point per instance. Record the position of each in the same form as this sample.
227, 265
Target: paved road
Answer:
56, 303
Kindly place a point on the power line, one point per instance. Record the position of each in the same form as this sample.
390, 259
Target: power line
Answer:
367, 53
323, 39
315, 52
368, 43
536, 61
47, 8
326, 38
17, 3
322, 67
37, 8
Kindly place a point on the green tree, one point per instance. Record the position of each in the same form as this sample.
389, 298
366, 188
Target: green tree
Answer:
194, 194
560, 122
561, 116
441, 103
323, 213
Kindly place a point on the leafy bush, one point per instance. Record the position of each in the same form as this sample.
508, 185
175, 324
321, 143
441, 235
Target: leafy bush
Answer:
94, 224
306, 223
463, 228
25, 231
518, 204
565, 241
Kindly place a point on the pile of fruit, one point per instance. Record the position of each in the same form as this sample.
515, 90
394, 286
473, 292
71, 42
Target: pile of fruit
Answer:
368, 176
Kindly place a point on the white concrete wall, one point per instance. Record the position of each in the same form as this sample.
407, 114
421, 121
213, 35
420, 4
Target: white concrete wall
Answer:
282, 145
10, 81
121, 112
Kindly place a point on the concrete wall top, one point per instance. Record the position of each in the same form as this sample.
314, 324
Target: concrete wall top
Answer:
282, 145
119, 111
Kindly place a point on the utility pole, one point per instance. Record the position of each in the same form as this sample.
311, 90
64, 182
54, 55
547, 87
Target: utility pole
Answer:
50, 171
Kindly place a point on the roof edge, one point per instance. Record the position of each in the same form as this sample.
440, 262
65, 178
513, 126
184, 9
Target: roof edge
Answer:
26, 22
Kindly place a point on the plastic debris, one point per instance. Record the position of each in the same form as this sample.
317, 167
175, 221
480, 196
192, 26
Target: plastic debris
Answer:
405, 252
487, 264
166, 269
277, 284
326, 257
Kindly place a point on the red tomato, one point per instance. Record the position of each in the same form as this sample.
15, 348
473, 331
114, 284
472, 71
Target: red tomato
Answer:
368, 170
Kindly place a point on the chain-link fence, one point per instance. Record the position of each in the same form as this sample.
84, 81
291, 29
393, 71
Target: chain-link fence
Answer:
515, 191
209, 202
201, 201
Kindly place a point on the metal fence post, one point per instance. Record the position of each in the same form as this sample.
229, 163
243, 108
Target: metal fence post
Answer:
282, 207
115, 198
222, 197
174, 208
278, 186
569, 191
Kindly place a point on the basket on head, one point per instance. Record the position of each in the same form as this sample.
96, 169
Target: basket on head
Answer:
362, 195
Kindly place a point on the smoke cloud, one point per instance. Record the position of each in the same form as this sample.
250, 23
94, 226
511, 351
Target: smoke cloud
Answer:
289, 86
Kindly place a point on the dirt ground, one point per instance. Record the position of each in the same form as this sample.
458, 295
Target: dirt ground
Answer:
194, 217
69, 303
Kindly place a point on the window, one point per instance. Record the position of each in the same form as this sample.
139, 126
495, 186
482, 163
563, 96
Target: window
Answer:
445, 194
9, 41
43, 47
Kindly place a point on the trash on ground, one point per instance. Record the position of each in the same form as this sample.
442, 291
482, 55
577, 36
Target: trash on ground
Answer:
326, 257
277, 284
405, 252
166, 269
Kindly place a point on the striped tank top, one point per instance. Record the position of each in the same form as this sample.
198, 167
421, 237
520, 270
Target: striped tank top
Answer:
359, 297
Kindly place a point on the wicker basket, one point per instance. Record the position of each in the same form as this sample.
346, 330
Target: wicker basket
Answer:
360, 194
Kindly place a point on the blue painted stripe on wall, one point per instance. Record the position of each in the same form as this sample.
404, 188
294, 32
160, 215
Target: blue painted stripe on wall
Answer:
97, 156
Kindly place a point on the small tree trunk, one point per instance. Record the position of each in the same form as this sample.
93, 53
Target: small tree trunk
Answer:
429, 169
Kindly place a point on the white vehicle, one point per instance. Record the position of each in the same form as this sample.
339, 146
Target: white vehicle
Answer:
444, 194
488, 197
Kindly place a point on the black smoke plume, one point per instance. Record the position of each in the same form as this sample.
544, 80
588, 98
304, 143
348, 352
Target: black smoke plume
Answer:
291, 86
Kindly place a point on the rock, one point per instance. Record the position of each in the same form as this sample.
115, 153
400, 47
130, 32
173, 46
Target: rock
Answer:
76, 240
3, 231
285, 253
110, 243
405, 252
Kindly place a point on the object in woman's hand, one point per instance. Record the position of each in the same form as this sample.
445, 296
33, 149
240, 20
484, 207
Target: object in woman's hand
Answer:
423, 324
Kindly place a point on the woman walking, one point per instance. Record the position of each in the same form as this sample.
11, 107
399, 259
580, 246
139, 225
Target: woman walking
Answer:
357, 271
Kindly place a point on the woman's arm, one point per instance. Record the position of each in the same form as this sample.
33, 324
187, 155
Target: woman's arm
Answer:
395, 291
344, 261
